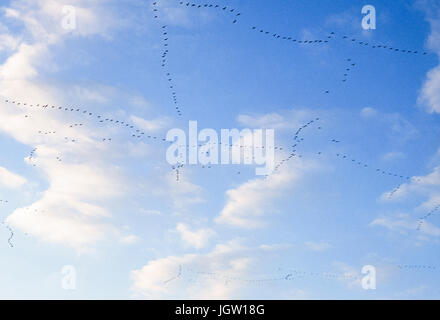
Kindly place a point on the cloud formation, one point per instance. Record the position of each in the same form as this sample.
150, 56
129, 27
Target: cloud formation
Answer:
195, 238
11, 180
249, 202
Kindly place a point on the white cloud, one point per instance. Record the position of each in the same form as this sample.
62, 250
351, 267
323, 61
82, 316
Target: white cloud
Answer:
197, 238
21, 65
347, 19
43, 18
151, 125
10, 179
54, 223
368, 112
140, 102
286, 120
183, 193
130, 239
223, 273
150, 212
175, 14
400, 128
392, 156
226, 260
70, 211
297, 294
425, 186
349, 274
274, 247
247, 203
8, 42
404, 224
271, 121
430, 92
317, 246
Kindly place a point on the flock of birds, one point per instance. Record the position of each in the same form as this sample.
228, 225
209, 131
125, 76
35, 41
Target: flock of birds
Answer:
137, 133
192, 275
134, 132
349, 68
176, 168
11, 232
297, 140
292, 39
164, 64
426, 216
231, 11
388, 48
331, 36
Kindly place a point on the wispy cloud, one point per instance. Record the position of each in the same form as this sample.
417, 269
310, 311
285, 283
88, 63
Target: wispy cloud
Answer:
10, 179
430, 92
318, 246
229, 259
67, 212
195, 238
252, 200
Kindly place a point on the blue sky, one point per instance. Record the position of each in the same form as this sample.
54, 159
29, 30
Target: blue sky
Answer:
113, 209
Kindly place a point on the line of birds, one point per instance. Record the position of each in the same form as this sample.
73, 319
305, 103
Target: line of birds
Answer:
292, 39
179, 274
426, 216
176, 168
391, 194
288, 275
101, 119
236, 15
231, 11
46, 132
34, 210
417, 267
66, 139
215, 145
364, 165
283, 275
165, 38
11, 235
266, 32
350, 64
327, 275
349, 67
297, 140
330, 36
31, 156
383, 46
135, 133
192, 275
76, 125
